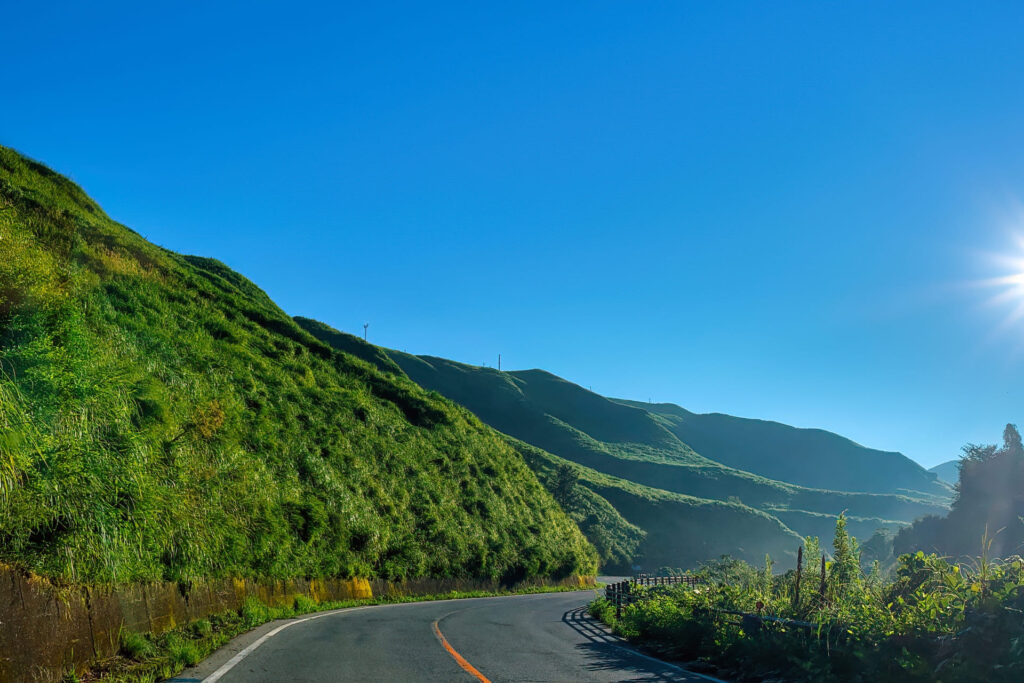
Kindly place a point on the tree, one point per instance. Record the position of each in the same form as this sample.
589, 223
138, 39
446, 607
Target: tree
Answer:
1011, 440
989, 505
845, 572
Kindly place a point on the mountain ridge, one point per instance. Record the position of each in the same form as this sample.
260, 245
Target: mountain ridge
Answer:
554, 423
739, 442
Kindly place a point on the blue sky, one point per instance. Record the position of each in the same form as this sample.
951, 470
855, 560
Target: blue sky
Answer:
767, 209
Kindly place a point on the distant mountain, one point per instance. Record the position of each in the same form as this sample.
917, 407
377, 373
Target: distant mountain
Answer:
627, 441
808, 457
948, 471
626, 521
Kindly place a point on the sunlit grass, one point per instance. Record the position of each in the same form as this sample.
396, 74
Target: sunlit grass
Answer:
162, 419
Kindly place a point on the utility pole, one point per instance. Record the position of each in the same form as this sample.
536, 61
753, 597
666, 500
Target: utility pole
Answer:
365, 325
499, 362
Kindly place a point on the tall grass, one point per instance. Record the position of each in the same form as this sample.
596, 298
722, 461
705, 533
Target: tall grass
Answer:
163, 419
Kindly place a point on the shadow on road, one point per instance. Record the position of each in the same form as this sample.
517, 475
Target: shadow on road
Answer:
604, 651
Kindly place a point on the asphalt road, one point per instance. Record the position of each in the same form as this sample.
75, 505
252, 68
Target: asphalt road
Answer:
545, 637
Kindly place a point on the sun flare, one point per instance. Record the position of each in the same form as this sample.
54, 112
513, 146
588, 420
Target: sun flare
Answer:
1008, 285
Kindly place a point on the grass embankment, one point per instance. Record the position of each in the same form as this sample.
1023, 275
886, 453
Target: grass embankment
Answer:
162, 419
146, 658
932, 621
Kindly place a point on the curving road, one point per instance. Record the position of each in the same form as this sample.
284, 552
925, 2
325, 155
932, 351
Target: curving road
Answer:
545, 637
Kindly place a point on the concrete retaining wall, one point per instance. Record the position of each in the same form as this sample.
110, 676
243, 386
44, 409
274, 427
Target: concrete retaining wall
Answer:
46, 630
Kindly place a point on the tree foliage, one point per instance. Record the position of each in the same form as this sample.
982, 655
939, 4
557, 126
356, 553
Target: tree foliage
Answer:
989, 504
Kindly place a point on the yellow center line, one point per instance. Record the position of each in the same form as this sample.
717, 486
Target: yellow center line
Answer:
459, 659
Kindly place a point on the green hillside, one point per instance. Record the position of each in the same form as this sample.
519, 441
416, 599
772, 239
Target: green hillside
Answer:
808, 457
627, 522
161, 418
349, 344
630, 443
678, 531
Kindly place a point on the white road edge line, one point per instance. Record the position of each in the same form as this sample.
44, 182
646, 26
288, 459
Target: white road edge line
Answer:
233, 662
664, 663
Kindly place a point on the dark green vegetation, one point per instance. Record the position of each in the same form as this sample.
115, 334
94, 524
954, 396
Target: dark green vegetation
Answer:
948, 471
161, 418
670, 529
986, 517
628, 442
931, 621
807, 457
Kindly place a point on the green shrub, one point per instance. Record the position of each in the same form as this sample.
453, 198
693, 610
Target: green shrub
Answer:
202, 628
931, 620
136, 645
305, 604
254, 612
183, 652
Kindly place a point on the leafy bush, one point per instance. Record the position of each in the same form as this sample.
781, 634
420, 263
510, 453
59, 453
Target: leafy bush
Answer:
304, 604
136, 645
932, 620
183, 652
202, 628
254, 612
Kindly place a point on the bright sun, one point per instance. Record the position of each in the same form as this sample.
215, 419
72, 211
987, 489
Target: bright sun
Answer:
1009, 285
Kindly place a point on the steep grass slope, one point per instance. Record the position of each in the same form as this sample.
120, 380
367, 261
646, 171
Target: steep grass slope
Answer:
161, 418
628, 442
808, 457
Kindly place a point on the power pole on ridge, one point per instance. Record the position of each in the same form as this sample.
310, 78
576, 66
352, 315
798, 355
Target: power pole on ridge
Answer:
365, 325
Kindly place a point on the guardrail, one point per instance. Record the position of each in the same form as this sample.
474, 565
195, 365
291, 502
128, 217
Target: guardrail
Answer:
625, 592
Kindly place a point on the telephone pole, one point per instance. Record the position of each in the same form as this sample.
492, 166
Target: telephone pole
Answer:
365, 325
499, 362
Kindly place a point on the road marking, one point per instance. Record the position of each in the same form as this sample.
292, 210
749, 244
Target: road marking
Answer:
459, 659
233, 662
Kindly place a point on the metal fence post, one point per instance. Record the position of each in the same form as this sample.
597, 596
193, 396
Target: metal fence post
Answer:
799, 567
821, 590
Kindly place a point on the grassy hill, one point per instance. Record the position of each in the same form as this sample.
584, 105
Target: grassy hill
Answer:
161, 418
677, 530
627, 522
633, 444
808, 457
